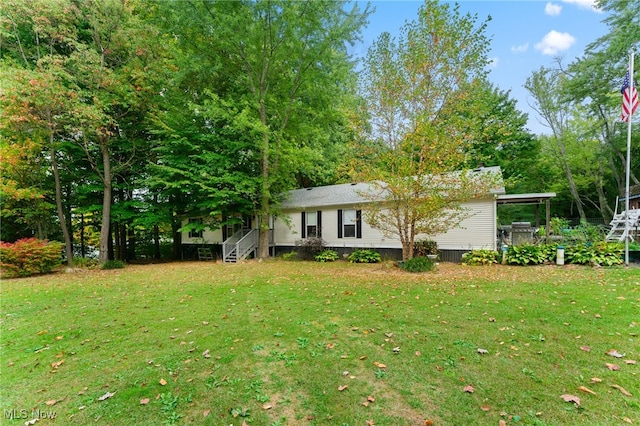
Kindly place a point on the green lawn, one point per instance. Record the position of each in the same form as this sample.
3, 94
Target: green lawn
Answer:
287, 343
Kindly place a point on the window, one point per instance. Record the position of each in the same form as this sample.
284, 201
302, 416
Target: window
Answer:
194, 232
311, 224
349, 224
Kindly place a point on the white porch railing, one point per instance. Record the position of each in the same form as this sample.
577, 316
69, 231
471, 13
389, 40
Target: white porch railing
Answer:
240, 245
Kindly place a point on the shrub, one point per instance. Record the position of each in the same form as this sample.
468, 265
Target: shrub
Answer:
418, 264
113, 264
327, 256
309, 248
526, 254
481, 257
364, 256
602, 253
29, 256
423, 248
292, 255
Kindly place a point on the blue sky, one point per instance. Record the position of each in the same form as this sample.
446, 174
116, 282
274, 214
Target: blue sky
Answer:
525, 36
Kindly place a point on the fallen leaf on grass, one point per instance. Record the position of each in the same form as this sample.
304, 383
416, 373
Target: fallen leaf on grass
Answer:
106, 396
502, 423
612, 367
163, 382
469, 389
144, 401
379, 365
627, 420
571, 398
267, 406
52, 402
614, 353
370, 423
630, 361
371, 398
205, 413
586, 389
206, 354
428, 422
330, 346
621, 389
343, 387
57, 364
485, 408
596, 380
585, 348
482, 351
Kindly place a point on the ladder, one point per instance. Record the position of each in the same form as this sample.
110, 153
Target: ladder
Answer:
618, 230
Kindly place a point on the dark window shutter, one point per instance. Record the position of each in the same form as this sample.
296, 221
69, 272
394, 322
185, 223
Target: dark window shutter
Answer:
319, 224
339, 223
304, 225
358, 223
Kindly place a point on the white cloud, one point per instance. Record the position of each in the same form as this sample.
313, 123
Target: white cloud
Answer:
555, 42
552, 9
585, 4
520, 49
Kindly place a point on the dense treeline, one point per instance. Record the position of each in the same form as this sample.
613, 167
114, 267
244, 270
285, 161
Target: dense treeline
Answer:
122, 119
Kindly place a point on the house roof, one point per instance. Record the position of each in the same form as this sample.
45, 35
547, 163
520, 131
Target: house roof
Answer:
347, 193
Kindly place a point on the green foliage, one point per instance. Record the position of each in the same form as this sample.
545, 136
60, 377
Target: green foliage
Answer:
481, 257
327, 255
292, 255
29, 256
526, 254
365, 256
557, 225
113, 264
418, 264
604, 254
309, 248
423, 248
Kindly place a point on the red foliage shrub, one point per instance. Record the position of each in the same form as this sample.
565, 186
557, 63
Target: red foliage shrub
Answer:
29, 256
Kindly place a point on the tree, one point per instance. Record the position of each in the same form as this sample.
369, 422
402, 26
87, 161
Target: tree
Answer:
278, 68
544, 86
593, 81
416, 93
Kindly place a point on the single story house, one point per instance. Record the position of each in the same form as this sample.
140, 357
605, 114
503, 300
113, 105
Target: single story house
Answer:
334, 213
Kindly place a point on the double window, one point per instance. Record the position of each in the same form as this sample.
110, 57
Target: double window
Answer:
312, 224
349, 223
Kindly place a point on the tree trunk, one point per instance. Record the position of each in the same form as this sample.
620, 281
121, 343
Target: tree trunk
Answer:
68, 246
156, 242
105, 235
265, 196
83, 248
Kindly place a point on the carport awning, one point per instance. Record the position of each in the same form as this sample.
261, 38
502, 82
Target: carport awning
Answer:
534, 198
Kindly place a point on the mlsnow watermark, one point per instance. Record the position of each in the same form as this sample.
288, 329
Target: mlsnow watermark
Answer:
21, 413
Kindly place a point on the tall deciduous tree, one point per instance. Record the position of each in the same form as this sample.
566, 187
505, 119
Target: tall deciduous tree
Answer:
594, 81
279, 68
544, 86
417, 92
